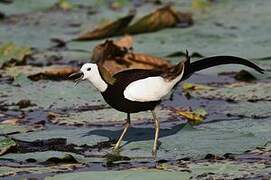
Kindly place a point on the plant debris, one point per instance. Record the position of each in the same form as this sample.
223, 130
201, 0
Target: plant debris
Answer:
108, 30
164, 17
6, 144
13, 54
195, 87
116, 56
24, 103
244, 75
111, 159
194, 117
67, 159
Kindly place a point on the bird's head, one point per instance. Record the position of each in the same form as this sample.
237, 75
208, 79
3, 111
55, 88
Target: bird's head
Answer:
90, 72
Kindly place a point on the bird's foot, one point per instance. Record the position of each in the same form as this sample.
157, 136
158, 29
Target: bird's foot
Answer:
115, 151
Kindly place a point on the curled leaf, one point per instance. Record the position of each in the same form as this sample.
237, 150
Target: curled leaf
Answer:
108, 30
164, 17
116, 56
161, 18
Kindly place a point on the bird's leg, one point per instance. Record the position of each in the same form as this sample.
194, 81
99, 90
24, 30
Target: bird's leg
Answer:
126, 126
157, 129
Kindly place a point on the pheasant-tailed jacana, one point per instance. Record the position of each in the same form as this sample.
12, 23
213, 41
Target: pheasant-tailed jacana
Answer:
136, 90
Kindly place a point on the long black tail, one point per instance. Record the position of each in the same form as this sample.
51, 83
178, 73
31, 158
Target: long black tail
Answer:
218, 60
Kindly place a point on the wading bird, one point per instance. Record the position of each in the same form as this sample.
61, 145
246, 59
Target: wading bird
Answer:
136, 90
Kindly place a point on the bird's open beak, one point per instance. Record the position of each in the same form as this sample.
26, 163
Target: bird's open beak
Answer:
78, 77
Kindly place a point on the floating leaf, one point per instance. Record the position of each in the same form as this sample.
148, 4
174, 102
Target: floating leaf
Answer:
6, 128
195, 87
13, 54
238, 92
195, 117
64, 4
164, 17
6, 144
108, 30
201, 4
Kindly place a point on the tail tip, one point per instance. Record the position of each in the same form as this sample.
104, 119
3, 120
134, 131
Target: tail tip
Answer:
260, 70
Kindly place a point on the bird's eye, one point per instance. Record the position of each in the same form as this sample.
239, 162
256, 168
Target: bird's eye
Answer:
88, 69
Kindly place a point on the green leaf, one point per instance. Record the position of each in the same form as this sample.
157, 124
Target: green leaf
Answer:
6, 144
11, 53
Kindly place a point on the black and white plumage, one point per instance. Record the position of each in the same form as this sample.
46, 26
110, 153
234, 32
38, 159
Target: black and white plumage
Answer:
136, 90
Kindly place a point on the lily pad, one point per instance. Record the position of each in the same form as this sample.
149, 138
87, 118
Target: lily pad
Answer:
47, 94
104, 115
238, 92
219, 170
131, 174
41, 157
78, 136
55, 72
10, 129
10, 53
216, 138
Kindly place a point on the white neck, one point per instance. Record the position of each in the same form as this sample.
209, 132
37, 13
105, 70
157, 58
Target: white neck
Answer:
96, 79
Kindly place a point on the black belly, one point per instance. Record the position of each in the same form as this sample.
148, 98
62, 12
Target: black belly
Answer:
115, 98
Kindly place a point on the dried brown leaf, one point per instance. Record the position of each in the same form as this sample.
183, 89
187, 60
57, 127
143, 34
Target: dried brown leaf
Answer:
164, 17
115, 56
108, 30
13, 121
107, 50
125, 42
